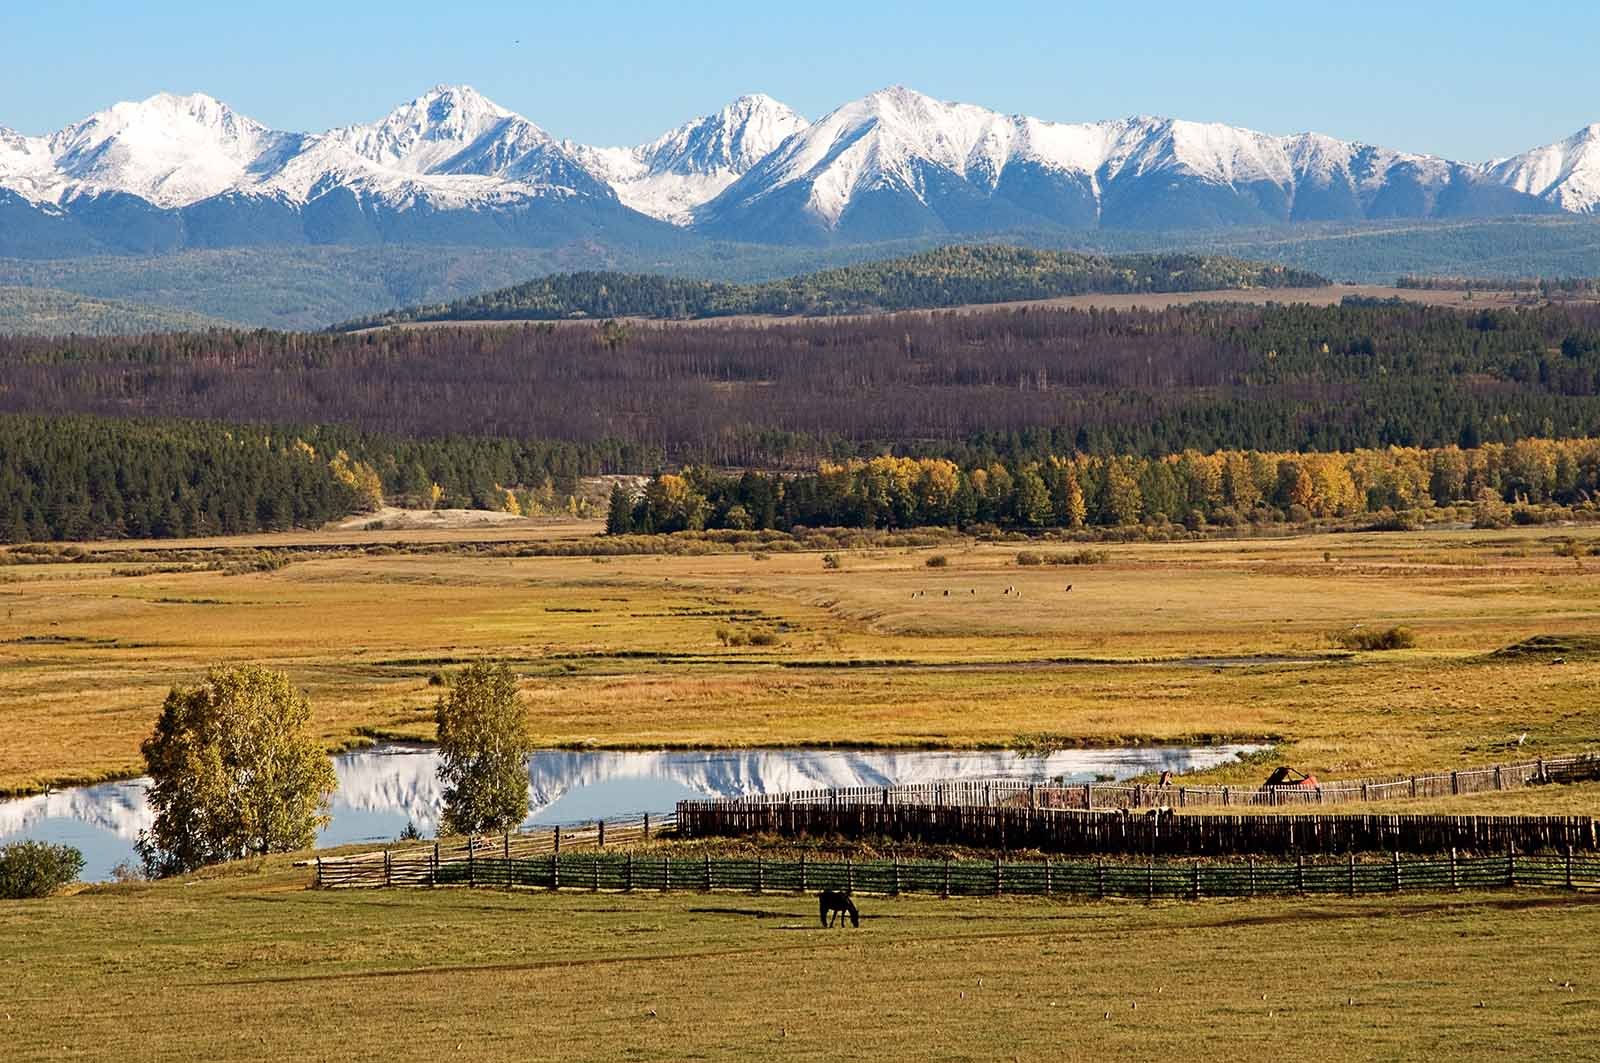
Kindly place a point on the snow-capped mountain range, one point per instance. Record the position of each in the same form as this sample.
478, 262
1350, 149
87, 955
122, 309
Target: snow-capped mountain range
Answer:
454, 167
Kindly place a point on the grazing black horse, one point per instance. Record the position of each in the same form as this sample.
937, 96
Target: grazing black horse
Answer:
832, 903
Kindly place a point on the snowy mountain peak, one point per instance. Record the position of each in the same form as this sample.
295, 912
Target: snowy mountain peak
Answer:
1566, 173
425, 134
685, 167
733, 139
168, 149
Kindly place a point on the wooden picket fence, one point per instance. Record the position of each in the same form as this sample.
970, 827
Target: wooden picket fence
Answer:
597, 870
1073, 831
1089, 796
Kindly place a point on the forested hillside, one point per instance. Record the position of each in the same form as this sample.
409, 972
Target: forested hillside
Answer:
1017, 382
48, 312
947, 276
95, 478
313, 287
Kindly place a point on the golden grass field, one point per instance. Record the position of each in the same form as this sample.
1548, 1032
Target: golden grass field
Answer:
624, 651
247, 963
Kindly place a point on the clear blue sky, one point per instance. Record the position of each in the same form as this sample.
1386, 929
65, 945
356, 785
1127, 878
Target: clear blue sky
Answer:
1468, 79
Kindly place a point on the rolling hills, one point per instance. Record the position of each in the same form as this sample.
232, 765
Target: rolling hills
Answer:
50, 312
948, 276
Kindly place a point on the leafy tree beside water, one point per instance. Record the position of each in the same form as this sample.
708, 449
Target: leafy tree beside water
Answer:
483, 751
234, 772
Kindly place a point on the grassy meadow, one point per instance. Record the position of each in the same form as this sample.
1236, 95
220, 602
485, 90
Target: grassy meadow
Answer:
645, 650
245, 962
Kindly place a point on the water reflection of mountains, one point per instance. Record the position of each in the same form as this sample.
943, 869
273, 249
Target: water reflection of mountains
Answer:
402, 781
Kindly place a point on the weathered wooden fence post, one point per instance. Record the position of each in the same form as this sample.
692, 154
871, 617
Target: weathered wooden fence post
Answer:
802, 872
319, 873
600, 841
555, 871
1455, 878
1397, 870
647, 826
849, 877
472, 867
1300, 872
1352, 881
1100, 877
388, 870
708, 874
505, 851
897, 874
433, 866
1511, 865
760, 878
945, 891
1252, 878
1194, 882
666, 874
999, 880
1569, 865
1048, 886
558, 840
628, 872
594, 867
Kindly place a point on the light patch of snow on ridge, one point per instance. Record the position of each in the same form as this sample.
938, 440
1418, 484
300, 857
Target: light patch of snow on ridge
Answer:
25, 164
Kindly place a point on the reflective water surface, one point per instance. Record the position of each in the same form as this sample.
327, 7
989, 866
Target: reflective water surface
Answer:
382, 789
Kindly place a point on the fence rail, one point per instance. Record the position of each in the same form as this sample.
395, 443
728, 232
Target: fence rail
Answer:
1074, 831
434, 863
597, 870
1089, 796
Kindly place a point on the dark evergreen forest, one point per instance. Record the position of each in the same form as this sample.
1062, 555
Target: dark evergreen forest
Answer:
968, 385
457, 415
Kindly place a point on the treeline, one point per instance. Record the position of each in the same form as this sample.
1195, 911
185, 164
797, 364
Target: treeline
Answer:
1225, 488
1544, 286
999, 383
947, 276
97, 478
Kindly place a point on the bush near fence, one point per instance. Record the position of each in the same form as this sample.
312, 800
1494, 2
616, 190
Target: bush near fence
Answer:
625, 872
